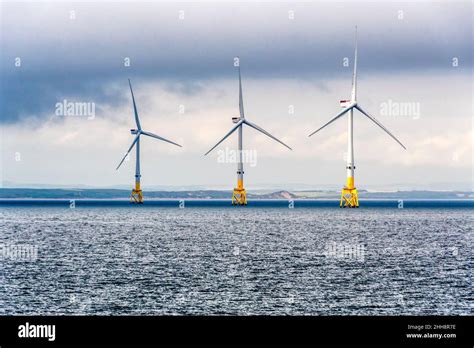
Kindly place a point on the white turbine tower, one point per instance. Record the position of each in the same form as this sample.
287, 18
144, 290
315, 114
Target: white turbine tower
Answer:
239, 196
137, 196
349, 192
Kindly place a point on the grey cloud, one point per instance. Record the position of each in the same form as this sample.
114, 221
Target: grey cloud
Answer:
82, 57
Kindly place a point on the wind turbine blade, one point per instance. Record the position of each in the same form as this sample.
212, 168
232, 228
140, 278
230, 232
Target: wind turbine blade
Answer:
159, 138
380, 125
241, 98
254, 126
334, 119
225, 137
134, 107
354, 75
129, 149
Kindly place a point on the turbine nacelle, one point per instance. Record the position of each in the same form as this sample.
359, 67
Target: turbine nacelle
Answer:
236, 119
134, 131
345, 103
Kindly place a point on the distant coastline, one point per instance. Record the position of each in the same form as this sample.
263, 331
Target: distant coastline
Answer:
119, 194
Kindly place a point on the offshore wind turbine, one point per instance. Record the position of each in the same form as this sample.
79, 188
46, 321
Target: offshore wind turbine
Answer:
136, 195
239, 196
349, 195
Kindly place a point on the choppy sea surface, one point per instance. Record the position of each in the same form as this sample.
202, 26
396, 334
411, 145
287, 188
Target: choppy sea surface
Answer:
209, 258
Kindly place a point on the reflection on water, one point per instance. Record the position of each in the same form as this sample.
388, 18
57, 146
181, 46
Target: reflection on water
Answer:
213, 260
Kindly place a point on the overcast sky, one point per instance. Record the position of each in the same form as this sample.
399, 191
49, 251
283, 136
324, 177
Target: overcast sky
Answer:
181, 59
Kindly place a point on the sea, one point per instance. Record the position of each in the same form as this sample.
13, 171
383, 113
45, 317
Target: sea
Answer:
206, 257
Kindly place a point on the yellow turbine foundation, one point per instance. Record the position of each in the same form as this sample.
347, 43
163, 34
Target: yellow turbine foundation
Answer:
349, 197
136, 196
239, 197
